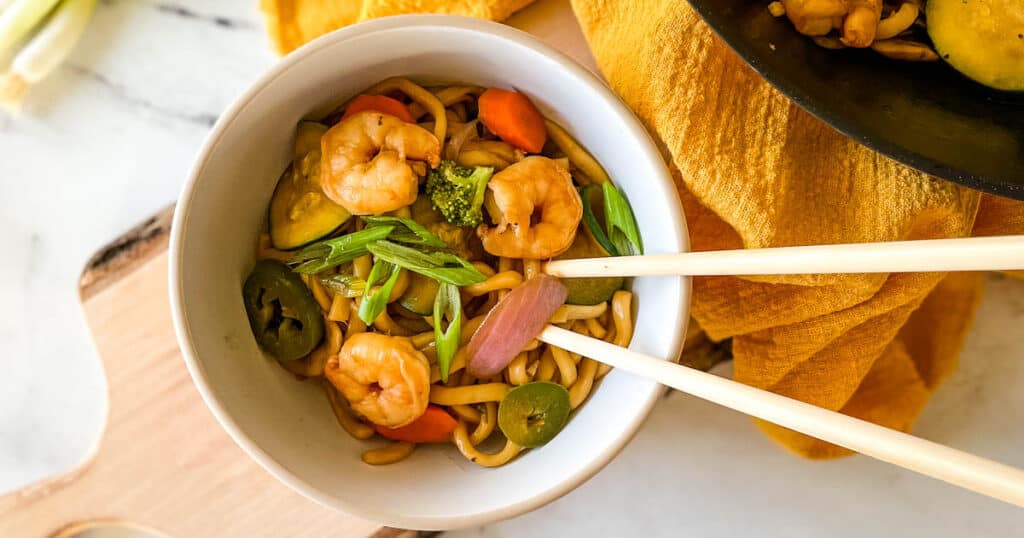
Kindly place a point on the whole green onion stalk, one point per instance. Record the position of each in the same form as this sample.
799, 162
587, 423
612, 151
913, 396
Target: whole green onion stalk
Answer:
47, 49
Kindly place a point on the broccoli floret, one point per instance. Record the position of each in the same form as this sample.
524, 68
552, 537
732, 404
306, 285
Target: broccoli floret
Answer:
458, 192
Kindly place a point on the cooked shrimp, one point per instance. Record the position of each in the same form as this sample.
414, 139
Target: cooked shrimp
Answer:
814, 17
536, 209
384, 378
861, 23
364, 167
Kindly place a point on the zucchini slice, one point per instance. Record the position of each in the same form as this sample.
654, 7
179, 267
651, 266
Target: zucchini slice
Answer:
591, 290
419, 296
307, 138
300, 213
983, 39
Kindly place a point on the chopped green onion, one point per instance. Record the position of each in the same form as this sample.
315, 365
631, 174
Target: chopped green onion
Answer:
374, 302
334, 252
440, 265
47, 49
18, 20
406, 231
619, 221
448, 303
349, 286
591, 221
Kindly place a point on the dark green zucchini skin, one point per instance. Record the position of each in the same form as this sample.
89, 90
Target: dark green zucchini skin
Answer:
300, 213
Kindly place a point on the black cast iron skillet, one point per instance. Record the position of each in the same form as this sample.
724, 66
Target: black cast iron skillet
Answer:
925, 115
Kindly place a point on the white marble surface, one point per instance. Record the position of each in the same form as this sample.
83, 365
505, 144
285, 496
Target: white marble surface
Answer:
101, 145
108, 140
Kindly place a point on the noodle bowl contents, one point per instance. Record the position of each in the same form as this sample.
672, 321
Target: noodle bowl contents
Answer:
401, 269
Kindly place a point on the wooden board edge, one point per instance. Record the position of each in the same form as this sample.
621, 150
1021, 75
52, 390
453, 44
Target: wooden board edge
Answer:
126, 253
391, 532
48, 485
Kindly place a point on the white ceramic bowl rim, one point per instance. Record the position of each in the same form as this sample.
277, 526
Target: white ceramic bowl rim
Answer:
663, 186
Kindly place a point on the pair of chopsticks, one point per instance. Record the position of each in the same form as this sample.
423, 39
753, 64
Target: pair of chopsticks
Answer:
938, 461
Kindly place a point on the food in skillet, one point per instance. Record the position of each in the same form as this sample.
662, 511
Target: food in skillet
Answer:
983, 39
401, 269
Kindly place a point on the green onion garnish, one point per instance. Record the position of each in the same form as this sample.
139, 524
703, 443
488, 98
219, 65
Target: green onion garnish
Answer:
619, 221
374, 302
592, 223
18, 20
406, 231
57, 27
334, 252
440, 265
349, 286
448, 303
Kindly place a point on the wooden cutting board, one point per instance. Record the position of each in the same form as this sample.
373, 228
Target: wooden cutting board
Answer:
163, 461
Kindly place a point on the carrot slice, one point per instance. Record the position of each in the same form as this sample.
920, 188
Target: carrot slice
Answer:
434, 426
511, 116
379, 103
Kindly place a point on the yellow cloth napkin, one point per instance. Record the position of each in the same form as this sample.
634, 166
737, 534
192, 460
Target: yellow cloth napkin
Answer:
291, 23
754, 170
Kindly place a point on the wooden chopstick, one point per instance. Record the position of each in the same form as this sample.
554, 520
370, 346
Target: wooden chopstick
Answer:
938, 461
965, 254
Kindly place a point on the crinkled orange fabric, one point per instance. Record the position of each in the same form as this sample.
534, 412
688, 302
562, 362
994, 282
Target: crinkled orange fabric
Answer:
294, 22
753, 170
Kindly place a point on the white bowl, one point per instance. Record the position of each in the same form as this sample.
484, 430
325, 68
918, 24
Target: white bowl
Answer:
287, 426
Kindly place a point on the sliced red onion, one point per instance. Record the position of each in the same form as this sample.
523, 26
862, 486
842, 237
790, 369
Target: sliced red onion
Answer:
512, 323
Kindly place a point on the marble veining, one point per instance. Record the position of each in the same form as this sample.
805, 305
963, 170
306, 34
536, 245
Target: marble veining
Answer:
187, 13
121, 93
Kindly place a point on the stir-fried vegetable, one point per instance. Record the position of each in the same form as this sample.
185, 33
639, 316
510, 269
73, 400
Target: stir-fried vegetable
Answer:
512, 323
379, 103
511, 116
530, 415
347, 285
47, 49
619, 236
439, 265
406, 231
983, 39
448, 304
420, 296
300, 212
283, 315
375, 301
435, 425
307, 138
458, 192
619, 221
331, 253
591, 195
461, 241
592, 290
422, 253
